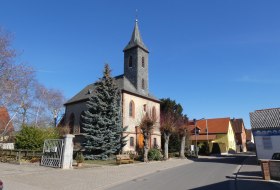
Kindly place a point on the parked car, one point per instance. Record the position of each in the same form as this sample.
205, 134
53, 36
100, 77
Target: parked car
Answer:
1, 184
276, 156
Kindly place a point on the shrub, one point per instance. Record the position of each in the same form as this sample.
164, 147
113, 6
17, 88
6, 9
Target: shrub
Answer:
32, 138
154, 154
80, 157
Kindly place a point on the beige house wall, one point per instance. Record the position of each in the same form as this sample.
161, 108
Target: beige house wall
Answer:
132, 122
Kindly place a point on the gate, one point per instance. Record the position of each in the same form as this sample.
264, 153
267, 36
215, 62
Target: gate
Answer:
52, 153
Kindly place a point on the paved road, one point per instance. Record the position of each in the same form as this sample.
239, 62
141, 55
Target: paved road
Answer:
204, 173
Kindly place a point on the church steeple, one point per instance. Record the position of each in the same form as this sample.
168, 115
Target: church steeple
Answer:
136, 39
136, 62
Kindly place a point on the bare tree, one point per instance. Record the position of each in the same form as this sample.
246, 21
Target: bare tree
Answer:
147, 125
7, 56
167, 127
55, 100
182, 124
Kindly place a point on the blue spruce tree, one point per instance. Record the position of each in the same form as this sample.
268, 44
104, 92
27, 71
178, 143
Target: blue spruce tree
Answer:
102, 121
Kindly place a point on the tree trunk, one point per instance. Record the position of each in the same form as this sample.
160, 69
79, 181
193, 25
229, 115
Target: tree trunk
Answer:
166, 142
183, 144
146, 149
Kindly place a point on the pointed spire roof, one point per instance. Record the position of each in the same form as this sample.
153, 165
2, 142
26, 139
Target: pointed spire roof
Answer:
136, 39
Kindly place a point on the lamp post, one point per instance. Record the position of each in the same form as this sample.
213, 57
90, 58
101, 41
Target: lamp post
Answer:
195, 133
207, 131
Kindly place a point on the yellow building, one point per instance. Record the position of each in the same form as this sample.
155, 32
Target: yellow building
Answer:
217, 132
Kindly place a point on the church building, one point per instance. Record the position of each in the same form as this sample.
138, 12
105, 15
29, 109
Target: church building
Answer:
136, 99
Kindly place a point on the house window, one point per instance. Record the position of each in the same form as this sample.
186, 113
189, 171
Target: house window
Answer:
131, 141
130, 61
143, 62
143, 84
131, 109
155, 143
267, 144
145, 107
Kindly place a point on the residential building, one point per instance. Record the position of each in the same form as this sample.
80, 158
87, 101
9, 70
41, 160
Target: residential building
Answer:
218, 132
240, 134
135, 95
265, 126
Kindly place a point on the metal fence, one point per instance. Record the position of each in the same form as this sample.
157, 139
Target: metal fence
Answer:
52, 153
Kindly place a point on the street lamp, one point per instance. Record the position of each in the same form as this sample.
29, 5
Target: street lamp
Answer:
195, 133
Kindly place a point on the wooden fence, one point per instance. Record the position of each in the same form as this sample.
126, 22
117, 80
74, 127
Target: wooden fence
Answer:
17, 155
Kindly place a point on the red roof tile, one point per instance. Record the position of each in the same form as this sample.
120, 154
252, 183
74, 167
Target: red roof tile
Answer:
237, 125
215, 126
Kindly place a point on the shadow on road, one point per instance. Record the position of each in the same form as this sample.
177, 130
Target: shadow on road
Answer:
242, 185
252, 174
225, 159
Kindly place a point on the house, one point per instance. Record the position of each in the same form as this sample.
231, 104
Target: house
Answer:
249, 136
240, 134
218, 132
135, 95
6, 125
265, 126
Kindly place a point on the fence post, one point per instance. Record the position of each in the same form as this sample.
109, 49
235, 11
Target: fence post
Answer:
67, 156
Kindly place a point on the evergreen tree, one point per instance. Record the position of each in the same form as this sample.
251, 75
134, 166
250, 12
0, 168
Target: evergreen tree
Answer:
102, 121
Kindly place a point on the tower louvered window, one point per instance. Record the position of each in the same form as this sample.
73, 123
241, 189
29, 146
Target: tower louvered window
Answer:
130, 61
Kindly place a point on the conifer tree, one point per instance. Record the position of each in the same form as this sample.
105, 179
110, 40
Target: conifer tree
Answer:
102, 121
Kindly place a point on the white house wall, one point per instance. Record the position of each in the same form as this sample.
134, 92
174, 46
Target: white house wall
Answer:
262, 151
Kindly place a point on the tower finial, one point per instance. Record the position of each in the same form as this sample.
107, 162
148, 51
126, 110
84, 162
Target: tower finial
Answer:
136, 16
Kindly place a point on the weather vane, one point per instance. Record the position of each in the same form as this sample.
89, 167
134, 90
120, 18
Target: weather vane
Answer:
136, 16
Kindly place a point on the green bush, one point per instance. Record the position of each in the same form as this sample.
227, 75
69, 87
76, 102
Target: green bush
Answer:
32, 138
154, 154
80, 157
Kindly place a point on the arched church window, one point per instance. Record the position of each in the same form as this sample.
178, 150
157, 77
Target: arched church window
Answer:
154, 113
143, 62
131, 109
71, 123
130, 61
81, 122
143, 84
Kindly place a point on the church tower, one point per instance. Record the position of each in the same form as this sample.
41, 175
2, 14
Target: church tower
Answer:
136, 62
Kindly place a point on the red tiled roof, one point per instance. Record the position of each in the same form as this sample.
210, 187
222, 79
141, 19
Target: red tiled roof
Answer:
215, 126
4, 119
237, 125
203, 137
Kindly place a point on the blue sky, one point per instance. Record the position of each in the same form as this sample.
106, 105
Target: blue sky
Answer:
216, 58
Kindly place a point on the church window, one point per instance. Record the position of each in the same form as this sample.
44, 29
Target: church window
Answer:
131, 109
143, 84
71, 123
131, 141
81, 122
155, 143
130, 61
143, 62
154, 113
145, 107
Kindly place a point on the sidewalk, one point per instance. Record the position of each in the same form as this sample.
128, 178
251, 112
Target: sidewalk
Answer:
249, 176
42, 178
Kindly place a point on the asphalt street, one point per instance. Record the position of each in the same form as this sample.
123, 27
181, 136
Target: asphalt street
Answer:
204, 173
